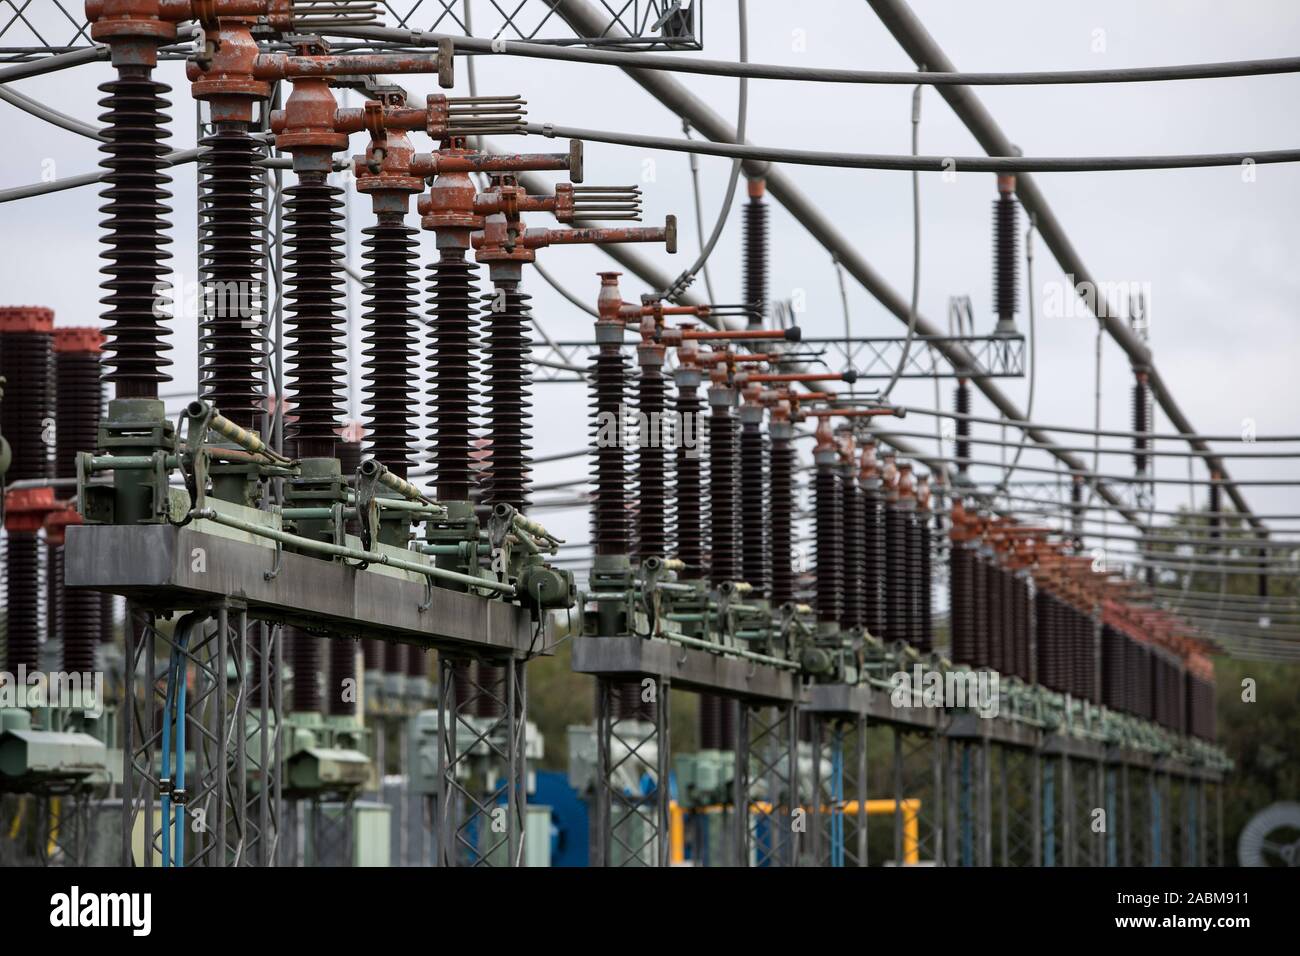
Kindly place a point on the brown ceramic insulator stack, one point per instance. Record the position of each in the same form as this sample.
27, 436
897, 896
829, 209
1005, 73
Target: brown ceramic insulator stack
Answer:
417, 661
1062, 647
391, 381
874, 559
1064, 653
135, 209
26, 344
1007, 599
1023, 622
689, 512
1006, 256
1045, 640
852, 546
1085, 649
509, 408
1130, 665
26, 364
462, 681
78, 405
627, 703
754, 230
914, 578
454, 352
782, 527
897, 579
612, 526
78, 397
1112, 668
231, 260
925, 582
961, 597
724, 508
993, 614
961, 403
340, 684
22, 642
755, 550
372, 653
492, 692
1141, 423
652, 483
1076, 512
304, 653
730, 724
394, 657
709, 722
315, 322
828, 507
979, 611
1142, 681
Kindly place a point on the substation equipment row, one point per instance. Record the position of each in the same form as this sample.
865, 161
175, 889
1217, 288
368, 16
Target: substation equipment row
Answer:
247, 538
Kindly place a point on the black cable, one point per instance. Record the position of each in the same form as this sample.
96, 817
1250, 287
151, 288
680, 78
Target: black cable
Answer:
936, 164
475, 46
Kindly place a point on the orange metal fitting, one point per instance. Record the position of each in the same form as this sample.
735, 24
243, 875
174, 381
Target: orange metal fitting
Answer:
26, 318
26, 508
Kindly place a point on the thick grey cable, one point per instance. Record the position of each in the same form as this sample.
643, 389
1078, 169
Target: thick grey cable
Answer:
50, 64
683, 281
475, 46
699, 209
1033, 357
178, 158
1181, 437
49, 114
934, 164
916, 249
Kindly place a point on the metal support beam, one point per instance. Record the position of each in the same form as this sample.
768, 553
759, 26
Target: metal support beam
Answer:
221, 819
483, 798
632, 826
767, 784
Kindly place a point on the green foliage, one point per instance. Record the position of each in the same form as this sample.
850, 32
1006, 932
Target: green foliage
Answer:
1262, 738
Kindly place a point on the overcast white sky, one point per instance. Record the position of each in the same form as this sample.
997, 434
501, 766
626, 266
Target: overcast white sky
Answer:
1218, 253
